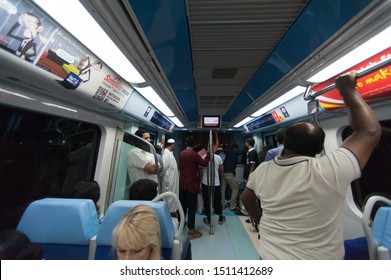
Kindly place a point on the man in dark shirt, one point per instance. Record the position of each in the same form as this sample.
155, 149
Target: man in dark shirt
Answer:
251, 163
262, 152
189, 183
251, 158
230, 162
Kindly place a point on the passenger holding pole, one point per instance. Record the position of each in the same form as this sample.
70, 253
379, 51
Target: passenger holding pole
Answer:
216, 189
189, 186
302, 196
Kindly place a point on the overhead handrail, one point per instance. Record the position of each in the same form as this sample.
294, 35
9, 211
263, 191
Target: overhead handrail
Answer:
363, 73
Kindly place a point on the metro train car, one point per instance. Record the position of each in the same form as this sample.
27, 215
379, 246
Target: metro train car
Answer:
79, 78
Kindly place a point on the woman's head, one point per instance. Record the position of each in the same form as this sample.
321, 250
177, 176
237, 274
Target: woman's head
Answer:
137, 235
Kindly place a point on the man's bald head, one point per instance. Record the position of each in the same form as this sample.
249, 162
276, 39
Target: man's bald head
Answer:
304, 139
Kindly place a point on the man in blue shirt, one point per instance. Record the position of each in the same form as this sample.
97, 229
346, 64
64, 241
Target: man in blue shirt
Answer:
280, 136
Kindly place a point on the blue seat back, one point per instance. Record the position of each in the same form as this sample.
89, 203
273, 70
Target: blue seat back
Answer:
381, 229
104, 238
63, 227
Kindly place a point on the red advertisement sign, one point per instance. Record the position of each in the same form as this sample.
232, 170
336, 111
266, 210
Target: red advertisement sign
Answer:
373, 87
276, 117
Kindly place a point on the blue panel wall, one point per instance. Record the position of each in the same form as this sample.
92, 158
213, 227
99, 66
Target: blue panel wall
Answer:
319, 20
166, 27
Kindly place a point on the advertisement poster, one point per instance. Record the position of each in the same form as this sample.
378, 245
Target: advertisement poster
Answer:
28, 34
266, 120
373, 87
161, 121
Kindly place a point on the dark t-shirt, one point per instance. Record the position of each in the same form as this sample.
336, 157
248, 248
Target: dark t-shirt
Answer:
230, 161
251, 158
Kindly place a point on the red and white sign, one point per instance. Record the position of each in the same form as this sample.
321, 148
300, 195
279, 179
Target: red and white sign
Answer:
373, 87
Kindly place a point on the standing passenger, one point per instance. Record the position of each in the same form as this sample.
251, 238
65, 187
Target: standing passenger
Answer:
302, 197
251, 160
141, 164
262, 152
189, 183
171, 175
218, 169
159, 157
280, 137
228, 176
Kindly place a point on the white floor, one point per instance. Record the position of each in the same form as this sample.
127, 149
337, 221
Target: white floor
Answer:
253, 235
231, 241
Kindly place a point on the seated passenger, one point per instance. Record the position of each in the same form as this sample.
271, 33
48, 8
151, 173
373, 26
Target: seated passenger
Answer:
15, 245
143, 189
137, 235
89, 190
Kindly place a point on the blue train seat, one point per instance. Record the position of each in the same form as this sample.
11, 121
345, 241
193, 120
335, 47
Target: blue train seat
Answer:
63, 227
379, 234
116, 211
181, 246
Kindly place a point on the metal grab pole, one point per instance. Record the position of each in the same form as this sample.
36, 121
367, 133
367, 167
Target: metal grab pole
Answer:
211, 179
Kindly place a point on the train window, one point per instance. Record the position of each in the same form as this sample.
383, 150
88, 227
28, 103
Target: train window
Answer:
41, 156
376, 175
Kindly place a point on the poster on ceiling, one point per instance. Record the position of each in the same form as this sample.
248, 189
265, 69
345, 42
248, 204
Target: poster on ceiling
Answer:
29, 34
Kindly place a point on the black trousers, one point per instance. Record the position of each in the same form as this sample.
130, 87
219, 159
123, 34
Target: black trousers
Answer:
216, 200
189, 205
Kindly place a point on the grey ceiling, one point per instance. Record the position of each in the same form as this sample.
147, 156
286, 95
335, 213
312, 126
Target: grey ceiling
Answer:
230, 40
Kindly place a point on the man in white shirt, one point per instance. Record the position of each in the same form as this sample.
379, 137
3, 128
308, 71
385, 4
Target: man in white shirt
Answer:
171, 174
302, 196
141, 164
216, 188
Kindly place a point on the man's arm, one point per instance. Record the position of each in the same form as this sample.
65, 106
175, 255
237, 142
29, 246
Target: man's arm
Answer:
252, 167
249, 200
268, 156
150, 168
366, 128
221, 168
217, 143
201, 161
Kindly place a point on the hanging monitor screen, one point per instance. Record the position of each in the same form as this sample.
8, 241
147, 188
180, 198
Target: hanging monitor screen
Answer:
211, 121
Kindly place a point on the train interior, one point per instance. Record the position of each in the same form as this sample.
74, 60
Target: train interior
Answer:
69, 114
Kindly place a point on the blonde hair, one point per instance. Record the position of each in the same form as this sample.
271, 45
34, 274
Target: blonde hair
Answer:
137, 229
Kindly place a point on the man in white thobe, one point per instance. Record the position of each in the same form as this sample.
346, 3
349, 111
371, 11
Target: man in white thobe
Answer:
171, 175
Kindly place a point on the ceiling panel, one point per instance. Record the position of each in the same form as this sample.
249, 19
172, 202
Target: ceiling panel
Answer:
231, 39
